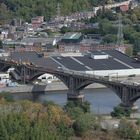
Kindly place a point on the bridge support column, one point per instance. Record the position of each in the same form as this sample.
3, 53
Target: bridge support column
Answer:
73, 92
125, 98
75, 96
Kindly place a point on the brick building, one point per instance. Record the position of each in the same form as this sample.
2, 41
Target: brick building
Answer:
37, 21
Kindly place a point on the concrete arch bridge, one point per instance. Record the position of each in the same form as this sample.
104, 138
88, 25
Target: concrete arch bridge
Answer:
75, 81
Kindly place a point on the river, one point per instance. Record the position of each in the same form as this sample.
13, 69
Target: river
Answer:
102, 100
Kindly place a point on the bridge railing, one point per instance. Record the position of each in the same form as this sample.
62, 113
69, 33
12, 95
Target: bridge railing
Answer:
84, 74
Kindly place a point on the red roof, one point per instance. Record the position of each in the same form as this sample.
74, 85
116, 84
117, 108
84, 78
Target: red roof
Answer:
124, 8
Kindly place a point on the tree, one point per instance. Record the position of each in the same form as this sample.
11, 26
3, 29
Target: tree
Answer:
7, 96
107, 14
31, 8
84, 106
25, 120
134, 18
120, 112
4, 12
83, 124
127, 130
1, 44
75, 112
3, 131
110, 39
106, 27
129, 51
65, 29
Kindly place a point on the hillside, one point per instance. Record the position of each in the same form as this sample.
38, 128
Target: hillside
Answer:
26, 9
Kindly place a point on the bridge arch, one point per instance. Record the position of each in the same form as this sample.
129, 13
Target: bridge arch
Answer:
116, 89
75, 81
134, 99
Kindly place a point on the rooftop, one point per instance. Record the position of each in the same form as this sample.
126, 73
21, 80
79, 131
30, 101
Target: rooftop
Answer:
115, 61
72, 36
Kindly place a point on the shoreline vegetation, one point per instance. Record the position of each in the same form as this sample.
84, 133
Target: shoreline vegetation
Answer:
47, 121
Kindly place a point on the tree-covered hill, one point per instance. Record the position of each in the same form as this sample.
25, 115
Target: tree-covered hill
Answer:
29, 8
26, 9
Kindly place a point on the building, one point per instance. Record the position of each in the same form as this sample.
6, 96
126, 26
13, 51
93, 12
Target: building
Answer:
109, 63
93, 43
3, 53
72, 38
70, 42
69, 47
124, 8
4, 34
37, 21
33, 43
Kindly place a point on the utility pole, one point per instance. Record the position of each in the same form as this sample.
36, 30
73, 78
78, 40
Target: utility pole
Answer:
58, 9
120, 38
120, 42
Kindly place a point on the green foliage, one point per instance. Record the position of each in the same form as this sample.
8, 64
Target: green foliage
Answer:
65, 30
7, 96
1, 44
127, 130
120, 112
138, 122
65, 130
47, 103
83, 120
75, 112
48, 31
106, 27
31, 121
27, 9
84, 106
83, 124
108, 14
90, 31
129, 51
5, 13
109, 39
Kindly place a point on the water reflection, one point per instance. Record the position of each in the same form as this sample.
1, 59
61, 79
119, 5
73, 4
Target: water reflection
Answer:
102, 100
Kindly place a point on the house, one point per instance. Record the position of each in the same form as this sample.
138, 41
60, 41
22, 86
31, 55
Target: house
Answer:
124, 8
37, 21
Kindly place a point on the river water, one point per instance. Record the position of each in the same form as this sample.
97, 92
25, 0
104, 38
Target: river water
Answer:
102, 100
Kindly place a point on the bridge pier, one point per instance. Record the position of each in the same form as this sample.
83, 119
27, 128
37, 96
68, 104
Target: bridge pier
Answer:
126, 96
71, 97
133, 107
75, 96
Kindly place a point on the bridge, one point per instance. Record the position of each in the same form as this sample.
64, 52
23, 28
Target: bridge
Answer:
75, 81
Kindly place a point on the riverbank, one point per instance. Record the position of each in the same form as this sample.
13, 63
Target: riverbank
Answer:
54, 86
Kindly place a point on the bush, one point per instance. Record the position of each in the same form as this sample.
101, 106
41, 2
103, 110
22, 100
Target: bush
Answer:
83, 124
85, 106
47, 103
7, 96
127, 130
120, 112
